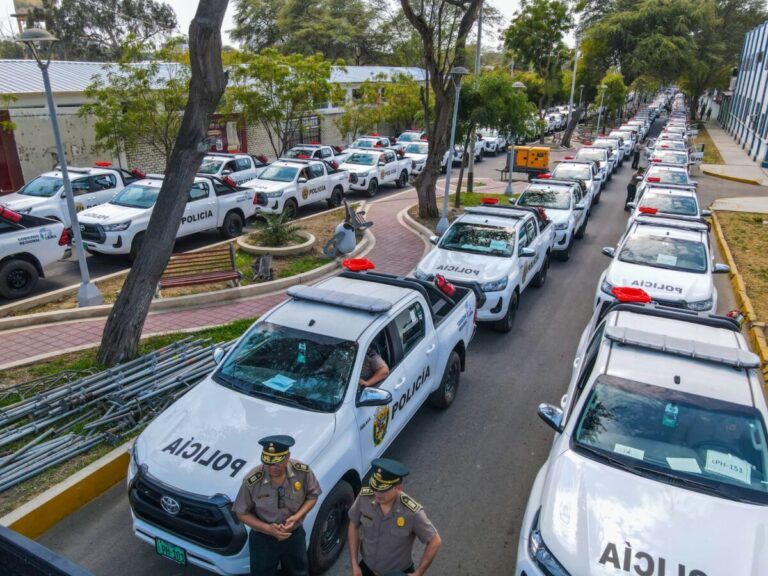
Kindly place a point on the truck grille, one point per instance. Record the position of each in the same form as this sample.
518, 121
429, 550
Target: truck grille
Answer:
93, 233
207, 522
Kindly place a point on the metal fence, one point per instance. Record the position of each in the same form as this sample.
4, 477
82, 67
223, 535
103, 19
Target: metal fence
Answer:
20, 556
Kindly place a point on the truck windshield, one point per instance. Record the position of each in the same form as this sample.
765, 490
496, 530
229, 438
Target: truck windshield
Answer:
210, 166
417, 148
136, 196
665, 252
553, 198
670, 156
42, 186
290, 366
667, 175
363, 159
409, 137
591, 154
363, 143
300, 153
672, 436
279, 173
670, 203
478, 239
573, 171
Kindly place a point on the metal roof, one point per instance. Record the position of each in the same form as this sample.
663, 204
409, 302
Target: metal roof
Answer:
24, 77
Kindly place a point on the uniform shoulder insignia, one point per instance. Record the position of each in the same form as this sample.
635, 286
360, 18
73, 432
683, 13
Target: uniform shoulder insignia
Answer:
300, 467
410, 503
366, 491
255, 477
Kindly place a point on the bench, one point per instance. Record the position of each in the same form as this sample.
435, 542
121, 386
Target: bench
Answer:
503, 173
355, 219
209, 266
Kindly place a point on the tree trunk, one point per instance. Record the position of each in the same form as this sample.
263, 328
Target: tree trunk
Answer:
575, 117
122, 332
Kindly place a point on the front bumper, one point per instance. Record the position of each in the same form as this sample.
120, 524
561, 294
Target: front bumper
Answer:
113, 243
562, 239
495, 306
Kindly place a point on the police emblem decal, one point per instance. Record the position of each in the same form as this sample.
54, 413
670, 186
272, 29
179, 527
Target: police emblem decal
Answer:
380, 422
305, 193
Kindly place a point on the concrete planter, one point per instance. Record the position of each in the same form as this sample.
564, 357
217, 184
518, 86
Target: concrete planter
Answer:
302, 248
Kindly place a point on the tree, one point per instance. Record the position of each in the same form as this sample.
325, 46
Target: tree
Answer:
362, 113
442, 26
122, 331
280, 91
256, 25
401, 104
615, 94
140, 104
98, 29
536, 40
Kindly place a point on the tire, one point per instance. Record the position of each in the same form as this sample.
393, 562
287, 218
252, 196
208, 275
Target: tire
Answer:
597, 197
505, 324
17, 279
138, 240
443, 169
565, 255
373, 188
290, 209
232, 227
581, 231
402, 181
541, 276
337, 196
329, 534
445, 394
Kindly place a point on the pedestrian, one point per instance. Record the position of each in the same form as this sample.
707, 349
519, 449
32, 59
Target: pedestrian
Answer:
639, 147
632, 187
384, 522
709, 113
273, 500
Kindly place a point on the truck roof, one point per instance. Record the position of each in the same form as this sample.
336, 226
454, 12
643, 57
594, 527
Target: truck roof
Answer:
75, 171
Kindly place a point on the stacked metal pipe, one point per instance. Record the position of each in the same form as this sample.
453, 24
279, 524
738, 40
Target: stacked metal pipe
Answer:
57, 418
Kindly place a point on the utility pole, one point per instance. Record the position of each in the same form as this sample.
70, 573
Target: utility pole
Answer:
472, 136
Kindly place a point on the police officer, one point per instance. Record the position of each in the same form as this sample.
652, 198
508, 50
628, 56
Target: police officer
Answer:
386, 521
273, 500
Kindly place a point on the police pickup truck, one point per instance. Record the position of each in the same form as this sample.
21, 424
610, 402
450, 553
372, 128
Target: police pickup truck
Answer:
659, 173
118, 226
288, 184
583, 171
503, 248
238, 167
27, 245
370, 168
678, 201
659, 465
417, 151
667, 256
316, 151
565, 207
605, 165
296, 371
44, 195
628, 137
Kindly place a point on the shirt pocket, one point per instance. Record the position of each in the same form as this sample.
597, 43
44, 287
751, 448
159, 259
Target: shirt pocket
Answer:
400, 531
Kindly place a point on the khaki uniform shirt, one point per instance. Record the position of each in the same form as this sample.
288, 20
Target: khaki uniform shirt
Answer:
371, 364
387, 540
258, 496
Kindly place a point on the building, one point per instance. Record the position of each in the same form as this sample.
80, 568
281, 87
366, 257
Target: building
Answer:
743, 110
29, 149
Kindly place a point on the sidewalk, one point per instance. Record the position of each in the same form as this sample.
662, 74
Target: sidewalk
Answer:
737, 164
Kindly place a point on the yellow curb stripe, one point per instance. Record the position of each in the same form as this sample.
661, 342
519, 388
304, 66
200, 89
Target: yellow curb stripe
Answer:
731, 178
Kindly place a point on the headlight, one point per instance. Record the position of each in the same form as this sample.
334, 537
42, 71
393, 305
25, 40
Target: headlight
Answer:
701, 305
495, 286
540, 553
275, 194
133, 464
606, 287
421, 275
117, 227
561, 226
25, 211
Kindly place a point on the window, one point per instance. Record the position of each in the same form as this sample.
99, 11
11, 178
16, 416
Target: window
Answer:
231, 166
588, 363
577, 197
103, 182
81, 186
530, 229
410, 326
242, 164
390, 157
325, 153
198, 191
522, 239
316, 171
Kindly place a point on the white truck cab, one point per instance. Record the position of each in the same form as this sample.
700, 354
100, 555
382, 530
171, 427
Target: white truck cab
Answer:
673, 157
660, 445
628, 137
44, 196
370, 168
240, 168
418, 150
371, 141
659, 173
678, 201
602, 156
583, 171
668, 257
503, 248
296, 371
615, 147
316, 151
412, 136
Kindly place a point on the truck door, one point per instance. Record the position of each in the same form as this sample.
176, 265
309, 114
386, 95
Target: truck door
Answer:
82, 193
535, 242
200, 211
390, 169
102, 189
316, 187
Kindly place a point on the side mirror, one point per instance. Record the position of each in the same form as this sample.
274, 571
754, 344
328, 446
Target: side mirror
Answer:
721, 269
527, 253
218, 355
694, 184
374, 397
434, 239
632, 204
382, 164
226, 172
552, 415
608, 251
706, 213
302, 180
580, 206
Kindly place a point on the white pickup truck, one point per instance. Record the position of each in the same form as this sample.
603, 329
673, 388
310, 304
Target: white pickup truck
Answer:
316, 151
44, 195
287, 185
503, 248
27, 245
118, 226
239, 168
296, 371
369, 169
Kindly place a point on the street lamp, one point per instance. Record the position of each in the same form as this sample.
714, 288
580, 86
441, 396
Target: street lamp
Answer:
603, 88
511, 148
40, 44
456, 75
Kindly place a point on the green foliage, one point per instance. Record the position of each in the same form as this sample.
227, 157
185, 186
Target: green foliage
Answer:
5, 102
277, 230
615, 93
140, 104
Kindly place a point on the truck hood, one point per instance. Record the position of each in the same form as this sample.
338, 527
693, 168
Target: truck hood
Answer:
465, 266
110, 214
594, 514
557, 216
18, 201
268, 185
661, 283
416, 157
359, 168
214, 427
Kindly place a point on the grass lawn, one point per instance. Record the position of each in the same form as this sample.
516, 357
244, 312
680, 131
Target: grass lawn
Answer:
473, 199
711, 153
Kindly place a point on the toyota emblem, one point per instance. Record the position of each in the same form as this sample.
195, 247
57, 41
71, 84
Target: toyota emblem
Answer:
170, 505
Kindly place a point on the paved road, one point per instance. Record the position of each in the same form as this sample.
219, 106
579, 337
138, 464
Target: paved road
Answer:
474, 464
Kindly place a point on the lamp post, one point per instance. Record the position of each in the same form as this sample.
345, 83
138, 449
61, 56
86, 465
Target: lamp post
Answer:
603, 88
511, 148
473, 136
456, 75
40, 44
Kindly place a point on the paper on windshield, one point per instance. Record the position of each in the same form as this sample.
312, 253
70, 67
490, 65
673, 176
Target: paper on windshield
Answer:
498, 245
279, 382
684, 464
728, 465
629, 451
666, 260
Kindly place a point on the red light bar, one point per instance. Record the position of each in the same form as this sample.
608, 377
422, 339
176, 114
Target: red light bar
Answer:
569, 158
627, 294
262, 158
648, 210
233, 151
656, 160
545, 176
375, 134
138, 173
489, 200
665, 145
314, 142
653, 179
358, 264
444, 286
10, 215
102, 164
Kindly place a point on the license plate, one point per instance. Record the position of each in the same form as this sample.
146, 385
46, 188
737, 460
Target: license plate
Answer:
171, 551
85, 244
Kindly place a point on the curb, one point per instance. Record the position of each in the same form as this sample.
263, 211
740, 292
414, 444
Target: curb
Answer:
731, 178
41, 513
753, 325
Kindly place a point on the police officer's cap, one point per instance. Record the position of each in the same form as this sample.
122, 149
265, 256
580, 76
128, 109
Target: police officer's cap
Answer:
387, 474
275, 448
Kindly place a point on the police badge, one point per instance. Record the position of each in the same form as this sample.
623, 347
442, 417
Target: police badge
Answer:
380, 422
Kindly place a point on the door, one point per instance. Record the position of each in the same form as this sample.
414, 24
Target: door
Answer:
317, 185
82, 193
200, 212
577, 198
531, 265
390, 168
103, 188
